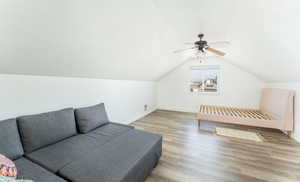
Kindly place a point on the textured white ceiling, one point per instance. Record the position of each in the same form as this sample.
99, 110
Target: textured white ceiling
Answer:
134, 39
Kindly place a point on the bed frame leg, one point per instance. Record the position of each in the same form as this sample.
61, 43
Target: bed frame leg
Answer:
289, 134
199, 123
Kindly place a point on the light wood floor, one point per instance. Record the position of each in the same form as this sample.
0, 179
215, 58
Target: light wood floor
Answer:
190, 154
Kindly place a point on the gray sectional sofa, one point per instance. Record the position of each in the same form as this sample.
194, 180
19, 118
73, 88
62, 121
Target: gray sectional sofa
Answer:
78, 145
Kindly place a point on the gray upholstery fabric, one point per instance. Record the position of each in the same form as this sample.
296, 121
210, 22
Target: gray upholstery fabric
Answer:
127, 158
112, 129
89, 118
141, 170
120, 124
56, 156
43, 129
29, 170
10, 143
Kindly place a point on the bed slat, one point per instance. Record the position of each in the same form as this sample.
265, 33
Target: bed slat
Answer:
233, 112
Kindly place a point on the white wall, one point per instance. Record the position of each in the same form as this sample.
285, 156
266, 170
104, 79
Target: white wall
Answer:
296, 87
124, 100
237, 88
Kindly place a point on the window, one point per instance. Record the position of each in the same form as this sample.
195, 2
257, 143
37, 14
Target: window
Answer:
205, 79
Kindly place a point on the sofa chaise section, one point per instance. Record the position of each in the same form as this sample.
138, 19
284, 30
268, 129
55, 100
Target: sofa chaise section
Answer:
129, 158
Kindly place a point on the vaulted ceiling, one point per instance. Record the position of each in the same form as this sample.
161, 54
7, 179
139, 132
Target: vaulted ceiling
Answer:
264, 35
134, 39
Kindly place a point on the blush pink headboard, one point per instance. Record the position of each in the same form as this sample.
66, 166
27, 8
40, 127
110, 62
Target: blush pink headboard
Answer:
279, 103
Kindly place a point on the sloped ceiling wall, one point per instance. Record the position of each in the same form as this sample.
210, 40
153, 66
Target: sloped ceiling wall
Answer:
92, 38
134, 39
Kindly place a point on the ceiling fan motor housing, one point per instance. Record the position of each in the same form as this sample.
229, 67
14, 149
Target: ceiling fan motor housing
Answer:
202, 45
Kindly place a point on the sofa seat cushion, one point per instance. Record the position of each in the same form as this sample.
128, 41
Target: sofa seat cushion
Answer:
44, 129
10, 143
56, 156
89, 118
34, 172
130, 157
112, 129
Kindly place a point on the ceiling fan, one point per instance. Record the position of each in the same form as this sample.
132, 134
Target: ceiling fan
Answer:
203, 46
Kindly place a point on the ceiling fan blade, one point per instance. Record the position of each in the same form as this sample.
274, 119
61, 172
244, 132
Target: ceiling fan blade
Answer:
215, 51
189, 43
181, 50
219, 43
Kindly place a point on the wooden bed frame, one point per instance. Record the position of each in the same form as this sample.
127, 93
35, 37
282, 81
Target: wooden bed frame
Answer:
276, 111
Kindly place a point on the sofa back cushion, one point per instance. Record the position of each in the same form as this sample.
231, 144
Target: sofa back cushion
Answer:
89, 118
10, 143
44, 129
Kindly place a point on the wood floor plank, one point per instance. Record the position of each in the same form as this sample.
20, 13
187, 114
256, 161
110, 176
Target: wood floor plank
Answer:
190, 154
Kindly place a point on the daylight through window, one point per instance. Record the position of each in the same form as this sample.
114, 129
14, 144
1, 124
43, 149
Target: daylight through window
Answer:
205, 79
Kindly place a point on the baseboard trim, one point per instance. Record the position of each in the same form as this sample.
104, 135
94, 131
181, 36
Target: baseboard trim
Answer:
168, 110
